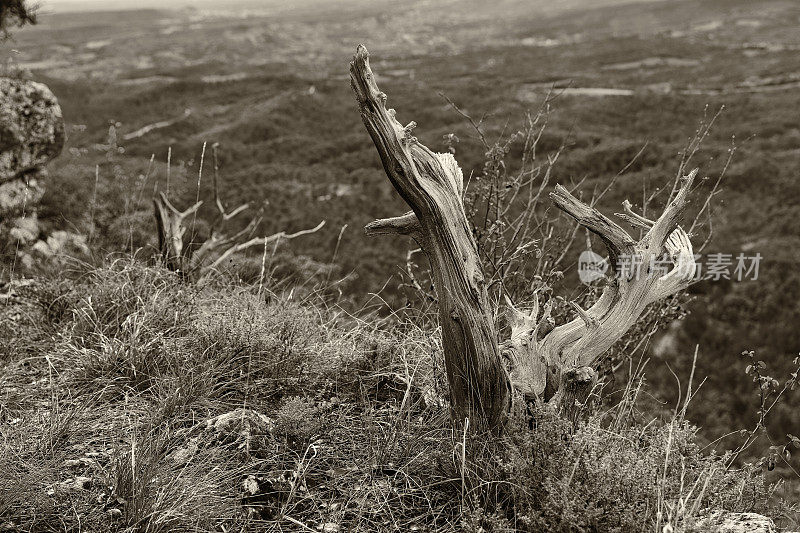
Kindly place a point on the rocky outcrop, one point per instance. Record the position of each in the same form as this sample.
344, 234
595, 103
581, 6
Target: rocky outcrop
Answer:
31, 127
240, 427
31, 135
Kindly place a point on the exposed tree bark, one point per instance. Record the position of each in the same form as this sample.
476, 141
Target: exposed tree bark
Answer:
576, 386
171, 229
432, 185
548, 364
213, 252
552, 368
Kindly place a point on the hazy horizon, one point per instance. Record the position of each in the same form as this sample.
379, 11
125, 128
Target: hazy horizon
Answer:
63, 6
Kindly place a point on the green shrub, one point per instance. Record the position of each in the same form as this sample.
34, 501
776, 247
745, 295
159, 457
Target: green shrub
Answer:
298, 418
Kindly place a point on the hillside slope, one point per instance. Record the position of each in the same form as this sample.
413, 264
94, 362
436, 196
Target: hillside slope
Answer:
132, 400
634, 82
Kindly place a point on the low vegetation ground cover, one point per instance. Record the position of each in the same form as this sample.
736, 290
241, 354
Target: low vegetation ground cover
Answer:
133, 401
301, 392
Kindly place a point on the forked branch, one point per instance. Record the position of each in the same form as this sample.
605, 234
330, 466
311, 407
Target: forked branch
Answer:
171, 229
657, 266
259, 241
201, 262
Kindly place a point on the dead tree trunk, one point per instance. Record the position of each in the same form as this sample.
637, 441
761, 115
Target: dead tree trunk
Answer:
171, 229
213, 252
432, 185
546, 364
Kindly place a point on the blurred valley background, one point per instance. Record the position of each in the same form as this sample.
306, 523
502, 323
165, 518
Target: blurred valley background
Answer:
628, 85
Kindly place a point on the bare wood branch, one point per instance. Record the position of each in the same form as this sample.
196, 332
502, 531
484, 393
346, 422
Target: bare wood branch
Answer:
406, 224
258, 241
634, 218
616, 239
522, 323
169, 224
219, 241
679, 247
432, 185
198, 264
528, 370
590, 321
547, 364
668, 220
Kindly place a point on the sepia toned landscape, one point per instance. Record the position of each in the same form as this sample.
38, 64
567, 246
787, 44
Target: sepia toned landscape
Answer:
285, 371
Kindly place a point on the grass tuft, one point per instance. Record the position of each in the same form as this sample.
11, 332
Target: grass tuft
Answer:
144, 404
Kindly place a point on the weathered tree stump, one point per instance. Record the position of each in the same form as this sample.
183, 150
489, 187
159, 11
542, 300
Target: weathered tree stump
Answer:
198, 264
553, 365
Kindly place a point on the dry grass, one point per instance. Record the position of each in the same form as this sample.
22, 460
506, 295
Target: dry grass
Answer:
115, 420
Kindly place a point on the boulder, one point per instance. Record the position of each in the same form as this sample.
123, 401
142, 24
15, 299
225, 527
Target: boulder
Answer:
55, 250
240, 427
31, 127
31, 134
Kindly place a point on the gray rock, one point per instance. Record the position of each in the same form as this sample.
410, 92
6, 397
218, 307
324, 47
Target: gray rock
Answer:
57, 249
77, 483
31, 127
20, 196
725, 522
240, 426
21, 231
